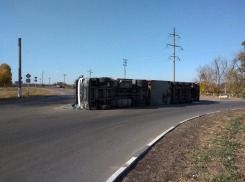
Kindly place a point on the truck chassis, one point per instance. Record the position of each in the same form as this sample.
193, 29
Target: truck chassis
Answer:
105, 93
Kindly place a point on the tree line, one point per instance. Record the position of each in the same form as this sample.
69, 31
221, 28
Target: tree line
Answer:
221, 75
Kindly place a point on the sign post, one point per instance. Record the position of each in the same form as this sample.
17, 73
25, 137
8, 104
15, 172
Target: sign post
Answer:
35, 81
28, 80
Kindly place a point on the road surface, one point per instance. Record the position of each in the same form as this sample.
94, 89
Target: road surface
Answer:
40, 141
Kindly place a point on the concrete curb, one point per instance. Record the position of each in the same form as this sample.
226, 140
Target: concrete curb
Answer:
116, 176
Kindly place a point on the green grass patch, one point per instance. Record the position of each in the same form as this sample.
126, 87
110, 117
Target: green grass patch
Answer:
228, 177
200, 168
217, 160
235, 125
200, 156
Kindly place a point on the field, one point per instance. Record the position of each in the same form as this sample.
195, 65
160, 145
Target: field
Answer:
11, 93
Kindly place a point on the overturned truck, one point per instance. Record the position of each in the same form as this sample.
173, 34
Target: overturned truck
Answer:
106, 93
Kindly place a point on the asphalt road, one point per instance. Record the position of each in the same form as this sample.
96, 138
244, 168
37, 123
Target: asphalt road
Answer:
42, 142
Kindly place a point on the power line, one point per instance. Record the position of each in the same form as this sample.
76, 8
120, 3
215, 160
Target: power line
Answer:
174, 52
42, 76
90, 71
125, 64
64, 78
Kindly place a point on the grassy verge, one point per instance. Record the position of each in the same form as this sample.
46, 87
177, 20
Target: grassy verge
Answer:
11, 93
221, 155
207, 148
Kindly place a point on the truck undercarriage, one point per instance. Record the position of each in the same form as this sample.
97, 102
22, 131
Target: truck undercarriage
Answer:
105, 93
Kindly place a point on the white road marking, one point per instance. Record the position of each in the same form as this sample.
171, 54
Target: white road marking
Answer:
120, 170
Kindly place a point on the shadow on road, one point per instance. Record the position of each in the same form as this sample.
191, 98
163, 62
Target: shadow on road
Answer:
40, 101
202, 102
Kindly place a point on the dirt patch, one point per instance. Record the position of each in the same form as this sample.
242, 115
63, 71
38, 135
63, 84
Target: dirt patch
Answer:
209, 148
11, 93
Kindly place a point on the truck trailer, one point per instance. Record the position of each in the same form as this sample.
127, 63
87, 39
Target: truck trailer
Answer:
105, 93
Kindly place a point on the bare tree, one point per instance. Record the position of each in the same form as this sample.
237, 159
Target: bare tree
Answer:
210, 76
205, 75
235, 73
219, 65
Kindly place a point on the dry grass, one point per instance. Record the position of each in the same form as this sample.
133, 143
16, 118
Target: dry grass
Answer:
11, 93
221, 153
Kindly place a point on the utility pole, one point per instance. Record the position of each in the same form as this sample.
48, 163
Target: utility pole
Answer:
174, 52
40, 81
19, 89
49, 81
64, 78
90, 71
125, 64
42, 76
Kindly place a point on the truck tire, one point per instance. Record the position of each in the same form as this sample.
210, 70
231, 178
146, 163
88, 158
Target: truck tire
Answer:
142, 83
104, 80
174, 102
175, 83
181, 101
141, 103
95, 80
104, 107
133, 103
188, 100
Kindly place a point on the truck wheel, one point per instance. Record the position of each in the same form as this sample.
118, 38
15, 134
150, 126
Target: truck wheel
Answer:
142, 83
94, 81
133, 104
174, 102
104, 107
175, 83
104, 80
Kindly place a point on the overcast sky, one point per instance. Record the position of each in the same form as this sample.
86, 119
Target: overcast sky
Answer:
73, 36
